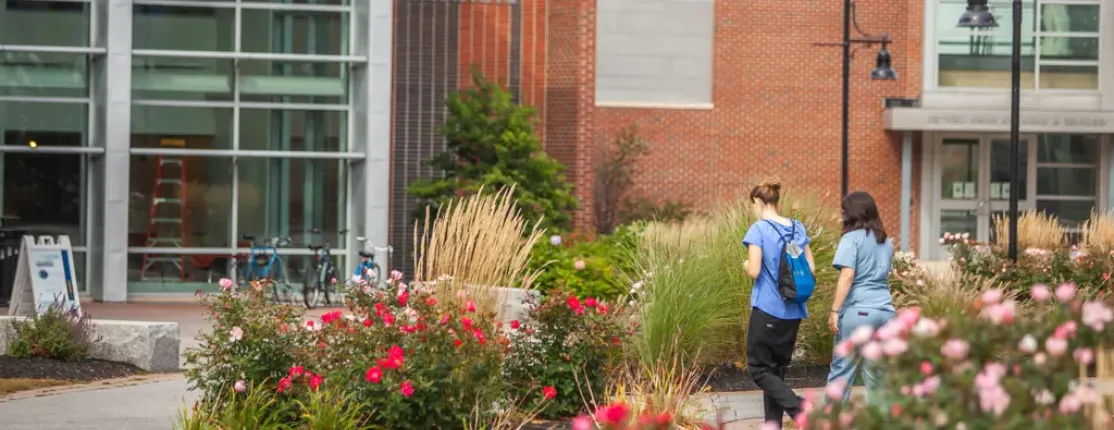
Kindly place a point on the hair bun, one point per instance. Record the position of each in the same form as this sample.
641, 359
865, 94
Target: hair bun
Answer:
772, 184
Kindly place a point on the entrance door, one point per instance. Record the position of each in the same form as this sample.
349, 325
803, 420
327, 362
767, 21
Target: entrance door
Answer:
974, 184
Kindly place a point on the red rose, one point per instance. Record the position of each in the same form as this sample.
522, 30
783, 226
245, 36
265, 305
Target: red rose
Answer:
368, 322
374, 375
297, 371
403, 298
406, 388
515, 325
285, 384
315, 382
590, 302
549, 392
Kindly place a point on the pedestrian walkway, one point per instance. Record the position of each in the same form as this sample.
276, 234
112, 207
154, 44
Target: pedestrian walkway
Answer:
146, 406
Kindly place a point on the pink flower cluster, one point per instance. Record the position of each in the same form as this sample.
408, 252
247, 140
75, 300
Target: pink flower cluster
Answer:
617, 416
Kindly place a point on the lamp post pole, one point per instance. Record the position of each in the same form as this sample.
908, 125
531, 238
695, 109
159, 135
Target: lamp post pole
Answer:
845, 142
1015, 128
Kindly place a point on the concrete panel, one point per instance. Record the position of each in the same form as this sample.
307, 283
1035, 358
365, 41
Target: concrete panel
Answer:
654, 52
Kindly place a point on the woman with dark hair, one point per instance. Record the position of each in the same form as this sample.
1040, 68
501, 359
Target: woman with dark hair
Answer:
772, 330
862, 298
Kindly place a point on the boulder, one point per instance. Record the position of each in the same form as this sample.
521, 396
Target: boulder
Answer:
151, 346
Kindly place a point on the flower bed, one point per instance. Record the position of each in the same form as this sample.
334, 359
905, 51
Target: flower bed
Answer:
997, 370
404, 358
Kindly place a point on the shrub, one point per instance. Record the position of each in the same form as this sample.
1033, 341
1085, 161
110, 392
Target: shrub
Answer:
590, 268
58, 334
565, 348
251, 340
408, 361
697, 290
995, 370
1090, 269
491, 143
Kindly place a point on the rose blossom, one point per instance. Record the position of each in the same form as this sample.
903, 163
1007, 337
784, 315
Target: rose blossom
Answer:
396, 275
1084, 355
955, 349
926, 328
994, 400
861, 334
844, 349
1070, 404
240, 386
999, 313
549, 392
1040, 293
1056, 346
1065, 330
909, 316
835, 389
579, 265
1040, 358
992, 296
582, 422
1096, 315
236, 334
1028, 344
225, 284
1044, 397
555, 240
890, 330
1065, 292
926, 368
872, 351
894, 347
406, 388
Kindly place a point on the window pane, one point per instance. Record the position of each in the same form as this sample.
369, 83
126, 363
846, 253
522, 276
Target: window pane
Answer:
284, 82
1070, 48
42, 74
22, 122
1072, 214
1067, 181
291, 197
180, 202
1069, 77
981, 58
43, 193
959, 222
162, 78
1075, 18
1000, 169
183, 28
49, 23
328, 2
181, 127
1068, 148
959, 175
294, 32
293, 130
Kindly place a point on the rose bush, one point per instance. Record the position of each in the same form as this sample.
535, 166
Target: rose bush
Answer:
566, 347
590, 267
1088, 268
991, 371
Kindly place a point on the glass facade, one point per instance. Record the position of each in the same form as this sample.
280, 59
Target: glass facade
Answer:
1059, 46
197, 123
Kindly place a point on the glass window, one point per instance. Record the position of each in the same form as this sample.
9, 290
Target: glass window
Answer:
286, 82
293, 130
180, 202
44, 23
959, 222
959, 169
181, 28
291, 197
44, 193
1067, 181
1068, 148
40, 74
1000, 169
181, 127
168, 78
315, 2
1059, 46
1072, 213
294, 32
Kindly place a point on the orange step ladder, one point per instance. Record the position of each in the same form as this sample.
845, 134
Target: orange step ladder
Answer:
166, 225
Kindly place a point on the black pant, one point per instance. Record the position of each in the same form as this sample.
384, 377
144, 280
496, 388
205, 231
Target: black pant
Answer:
770, 343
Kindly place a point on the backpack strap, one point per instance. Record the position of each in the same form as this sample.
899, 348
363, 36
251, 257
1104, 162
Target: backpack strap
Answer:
784, 243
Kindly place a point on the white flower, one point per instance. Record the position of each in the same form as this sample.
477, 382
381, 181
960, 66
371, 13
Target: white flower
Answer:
1028, 344
236, 334
555, 240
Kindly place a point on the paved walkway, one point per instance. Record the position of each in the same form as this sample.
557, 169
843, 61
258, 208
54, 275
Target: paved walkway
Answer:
146, 406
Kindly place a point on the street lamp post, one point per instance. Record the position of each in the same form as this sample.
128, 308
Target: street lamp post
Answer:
882, 71
977, 17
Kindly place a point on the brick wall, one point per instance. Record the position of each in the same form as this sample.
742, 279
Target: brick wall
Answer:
777, 108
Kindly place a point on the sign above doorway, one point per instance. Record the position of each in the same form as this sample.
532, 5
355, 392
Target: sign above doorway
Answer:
914, 119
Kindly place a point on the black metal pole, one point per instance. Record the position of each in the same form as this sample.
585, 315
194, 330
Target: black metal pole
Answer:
845, 147
1015, 128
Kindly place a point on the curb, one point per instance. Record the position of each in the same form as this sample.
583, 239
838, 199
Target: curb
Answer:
92, 386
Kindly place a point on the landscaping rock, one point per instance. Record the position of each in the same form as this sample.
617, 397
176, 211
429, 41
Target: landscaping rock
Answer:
515, 306
151, 346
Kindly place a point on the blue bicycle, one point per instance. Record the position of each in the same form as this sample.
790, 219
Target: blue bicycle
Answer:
263, 262
368, 269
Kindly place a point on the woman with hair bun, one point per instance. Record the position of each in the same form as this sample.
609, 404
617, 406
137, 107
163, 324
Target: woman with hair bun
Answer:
774, 320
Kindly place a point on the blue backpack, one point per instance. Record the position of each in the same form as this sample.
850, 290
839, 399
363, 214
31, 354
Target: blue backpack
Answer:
795, 281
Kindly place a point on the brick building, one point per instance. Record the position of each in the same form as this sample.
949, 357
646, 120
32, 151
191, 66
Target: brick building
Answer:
729, 92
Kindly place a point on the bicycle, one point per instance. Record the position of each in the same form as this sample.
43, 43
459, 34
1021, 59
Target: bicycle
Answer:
321, 274
368, 268
263, 262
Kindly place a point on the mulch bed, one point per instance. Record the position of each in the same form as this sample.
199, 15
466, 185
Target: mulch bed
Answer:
728, 377
43, 368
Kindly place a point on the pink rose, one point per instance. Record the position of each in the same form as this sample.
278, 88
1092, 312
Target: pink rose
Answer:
926, 328
582, 422
861, 334
225, 284
835, 389
579, 265
1056, 346
1070, 404
846, 419
1040, 358
844, 349
926, 368
955, 349
931, 384
1097, 315
240, 386
1028, 344
894, 347
1084, 355
992, 296
890, 330
1065, 292
1040, 293
1065, 330
872, 351
909, 316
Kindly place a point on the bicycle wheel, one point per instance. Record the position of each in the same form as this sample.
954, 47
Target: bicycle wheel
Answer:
377, 278
311, 290
283, 278
325, 279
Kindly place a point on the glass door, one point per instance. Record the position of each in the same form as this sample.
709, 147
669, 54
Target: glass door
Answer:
974, 184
